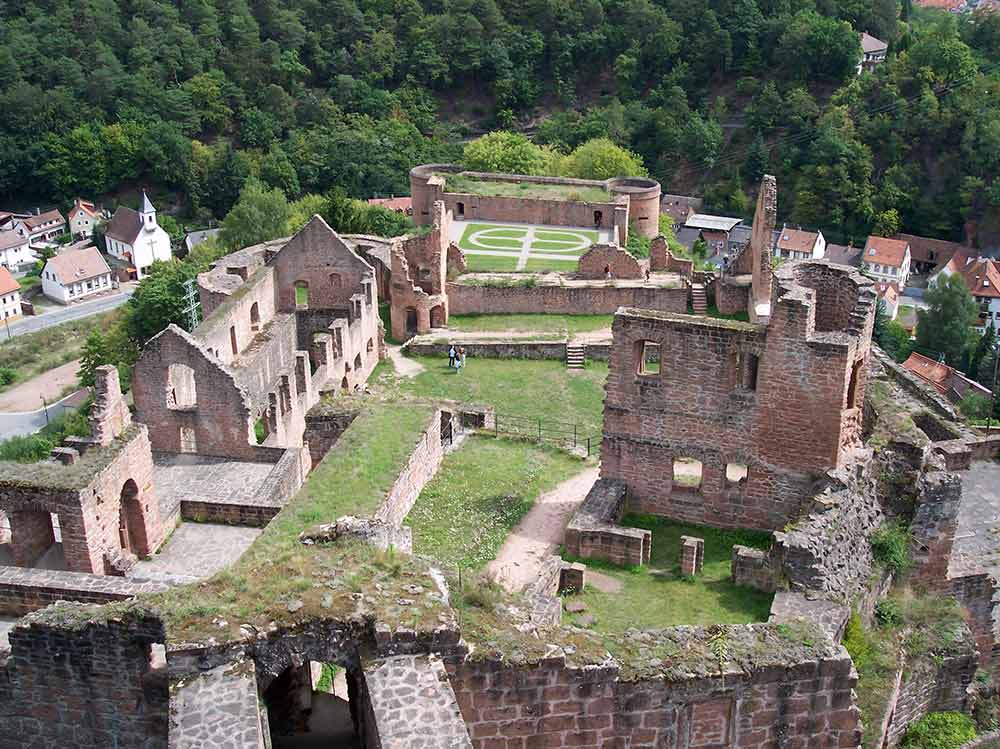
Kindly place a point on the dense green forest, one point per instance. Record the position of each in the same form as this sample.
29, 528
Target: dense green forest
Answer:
194, 96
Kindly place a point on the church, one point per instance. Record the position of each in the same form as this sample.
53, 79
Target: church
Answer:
136, 238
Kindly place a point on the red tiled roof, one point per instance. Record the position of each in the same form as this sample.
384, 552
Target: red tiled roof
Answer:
77, 265
796, 240
933, 373
887, 290
393, 204
7, 282
885, 251
86, 206
982, 277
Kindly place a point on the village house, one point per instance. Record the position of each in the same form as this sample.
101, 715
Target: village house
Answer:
399, 205
35, 227
10, 296
948, 381
873, 52
887, 260
928, 254
194, 238
796, 244
137, 239
982, 278
15, 250
83, 217
888, 292
74, 275
679, 207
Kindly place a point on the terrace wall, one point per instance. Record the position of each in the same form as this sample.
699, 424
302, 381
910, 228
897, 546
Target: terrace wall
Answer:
596, 299
23, 590
423, 463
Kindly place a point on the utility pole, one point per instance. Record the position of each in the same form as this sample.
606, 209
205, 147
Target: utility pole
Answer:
993, 390
192, 305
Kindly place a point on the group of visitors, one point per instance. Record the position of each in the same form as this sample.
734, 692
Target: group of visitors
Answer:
456, 358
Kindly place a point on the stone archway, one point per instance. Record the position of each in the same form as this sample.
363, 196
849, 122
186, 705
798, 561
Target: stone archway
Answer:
131, 521
437, 316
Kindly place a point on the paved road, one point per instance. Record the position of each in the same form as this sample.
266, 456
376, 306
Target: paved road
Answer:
72, 312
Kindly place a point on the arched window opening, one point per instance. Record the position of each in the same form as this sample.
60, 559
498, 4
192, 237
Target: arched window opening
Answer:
302, 294
254, 317
182, 391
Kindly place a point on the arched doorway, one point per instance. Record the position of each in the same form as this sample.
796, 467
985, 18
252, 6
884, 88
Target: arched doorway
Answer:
437, 316
131, 524
254, 317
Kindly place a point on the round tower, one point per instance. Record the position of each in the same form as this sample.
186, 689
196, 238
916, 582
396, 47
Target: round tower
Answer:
643, 202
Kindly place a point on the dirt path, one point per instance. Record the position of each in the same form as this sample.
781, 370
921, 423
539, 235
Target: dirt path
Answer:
405, 366
540, 532
28, 395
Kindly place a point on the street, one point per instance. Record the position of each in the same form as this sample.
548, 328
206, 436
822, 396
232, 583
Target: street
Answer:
72, 312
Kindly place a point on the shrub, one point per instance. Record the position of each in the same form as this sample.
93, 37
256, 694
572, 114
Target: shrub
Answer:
856, 642
891, 547
26, 449
887, 613
7, 375
939, 731
974, 406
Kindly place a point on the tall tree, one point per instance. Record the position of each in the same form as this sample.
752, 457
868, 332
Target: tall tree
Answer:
945, 327
259, 215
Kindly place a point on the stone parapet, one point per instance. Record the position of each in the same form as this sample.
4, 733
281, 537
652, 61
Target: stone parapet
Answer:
23, 590
598, 299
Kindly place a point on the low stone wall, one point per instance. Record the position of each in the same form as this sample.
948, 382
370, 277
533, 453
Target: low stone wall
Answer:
600, 258
731, 297
23, 590
596, 299
419, 469
986, 741
807, 704
661, 258
593, 531
751, 567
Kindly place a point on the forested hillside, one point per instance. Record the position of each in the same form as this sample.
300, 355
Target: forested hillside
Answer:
194, 96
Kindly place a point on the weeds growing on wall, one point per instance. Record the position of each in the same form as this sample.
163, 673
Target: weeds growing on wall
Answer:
939, 731
891, 547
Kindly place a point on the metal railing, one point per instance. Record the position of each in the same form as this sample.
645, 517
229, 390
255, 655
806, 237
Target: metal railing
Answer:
563, 434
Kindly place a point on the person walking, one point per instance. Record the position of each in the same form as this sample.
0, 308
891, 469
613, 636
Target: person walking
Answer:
451, 356
461, 358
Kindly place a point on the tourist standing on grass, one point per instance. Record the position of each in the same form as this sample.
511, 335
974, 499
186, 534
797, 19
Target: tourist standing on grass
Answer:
451, 356
461, 357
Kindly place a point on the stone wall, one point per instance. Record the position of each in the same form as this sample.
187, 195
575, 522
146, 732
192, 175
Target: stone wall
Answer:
593, 531
91, 686
423, 463
927, 687
776, 405
596, 299
661, 258
603, 258
324, 425
732, 295
806, 704
24, 590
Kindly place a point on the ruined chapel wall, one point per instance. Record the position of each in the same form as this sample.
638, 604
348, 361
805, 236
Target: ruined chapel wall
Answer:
220, 421
599, 299
233, 317
808, 704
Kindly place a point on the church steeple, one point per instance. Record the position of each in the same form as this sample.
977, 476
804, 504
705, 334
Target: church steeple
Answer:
147, 213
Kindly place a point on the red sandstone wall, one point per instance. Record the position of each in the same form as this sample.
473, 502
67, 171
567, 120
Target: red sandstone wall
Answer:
731, 299
807, 706
530, 210
419, 469
597, 299
597, 258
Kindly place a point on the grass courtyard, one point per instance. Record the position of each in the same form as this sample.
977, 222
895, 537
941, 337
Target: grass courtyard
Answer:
657, 596
534, 323
524, 247
533, 389
479, 494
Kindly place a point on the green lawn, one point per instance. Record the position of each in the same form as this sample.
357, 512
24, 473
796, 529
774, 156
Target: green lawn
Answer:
485, 263
657, 596
539, 264
538, 323
480, 493
460, 183
533, 389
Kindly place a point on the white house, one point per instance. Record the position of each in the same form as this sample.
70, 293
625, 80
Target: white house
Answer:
83, 217
795, 244
873, 52
887, 260
15, 250
10, 296
75, 274
37, 226
889, 293
136, 238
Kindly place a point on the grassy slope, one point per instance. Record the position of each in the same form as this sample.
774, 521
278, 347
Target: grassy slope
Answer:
34, 353
534, 389
540, 323
666, 599
480, 493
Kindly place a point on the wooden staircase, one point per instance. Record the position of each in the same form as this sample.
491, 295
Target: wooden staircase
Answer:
698, 299
575, 355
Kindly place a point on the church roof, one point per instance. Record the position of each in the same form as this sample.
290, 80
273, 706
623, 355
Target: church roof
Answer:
125, 225
147, 206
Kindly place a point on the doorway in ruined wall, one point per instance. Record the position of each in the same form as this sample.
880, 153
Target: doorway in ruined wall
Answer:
188, 441
316, 704
131, 523
437, 316
411, 321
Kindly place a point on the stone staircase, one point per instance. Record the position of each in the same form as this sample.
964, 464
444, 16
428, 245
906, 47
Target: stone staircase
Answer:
699, 301
575, 355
